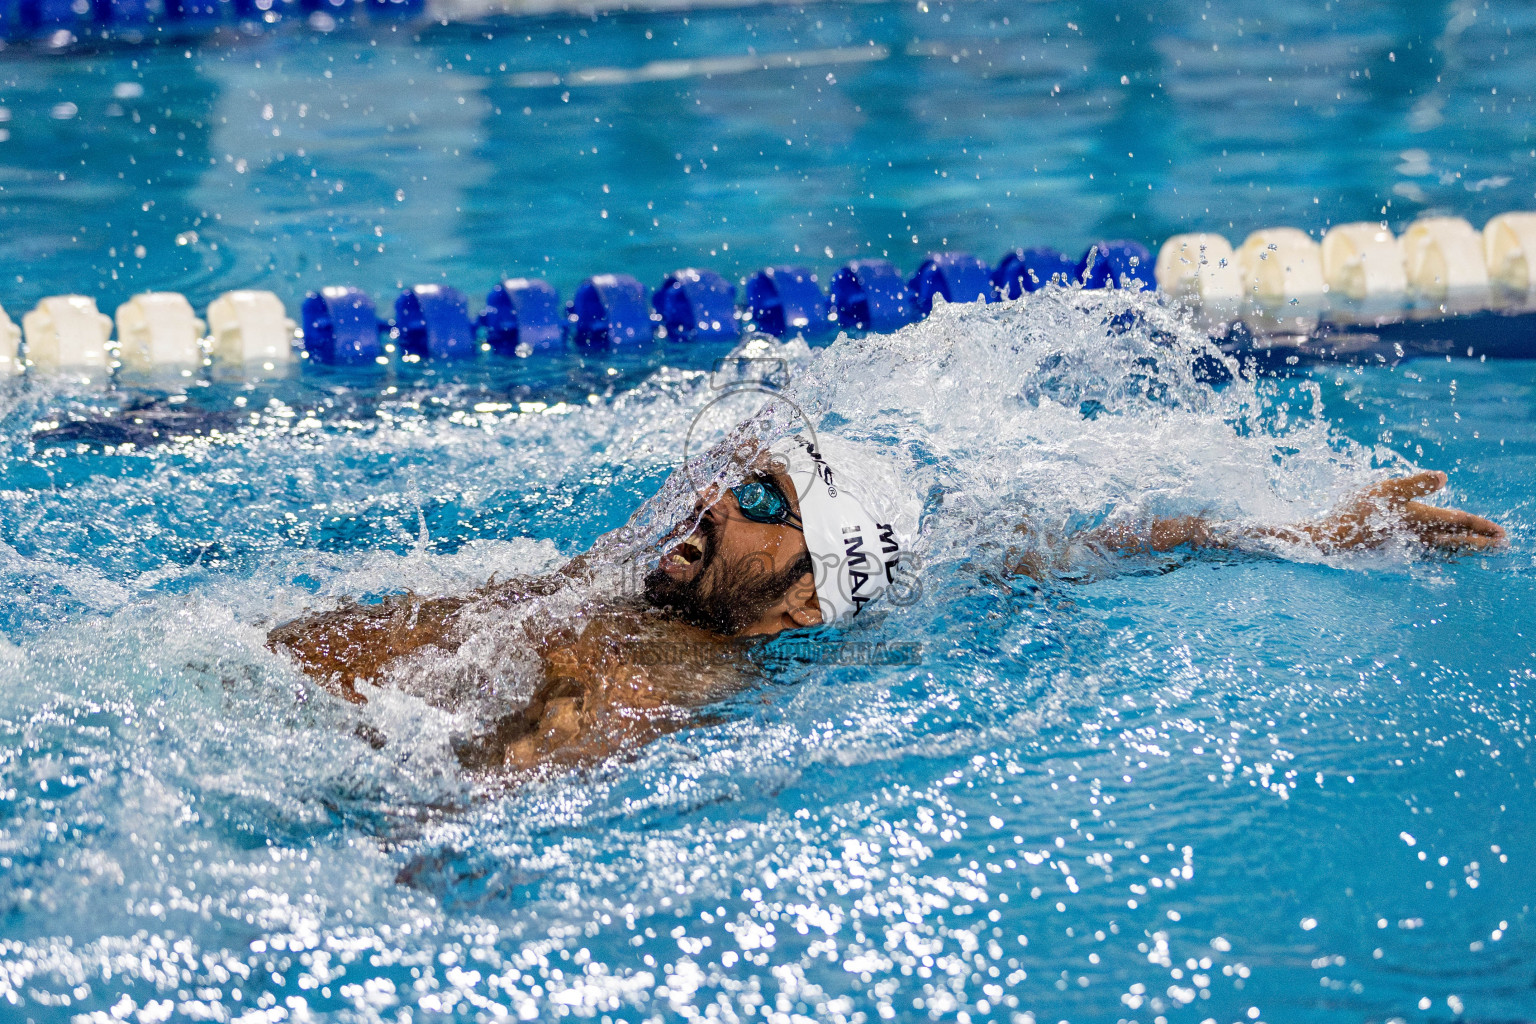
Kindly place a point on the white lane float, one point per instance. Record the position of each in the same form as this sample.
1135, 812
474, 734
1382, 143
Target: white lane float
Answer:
158, 330
1443, 260
1363, 261
1509, 249
67, 333
1200, 266
10, 346
1435, 260
250, 329
1279, 265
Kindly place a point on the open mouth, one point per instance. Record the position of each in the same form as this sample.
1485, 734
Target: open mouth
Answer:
683, 556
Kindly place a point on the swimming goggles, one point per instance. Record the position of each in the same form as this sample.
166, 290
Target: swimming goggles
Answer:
761, 501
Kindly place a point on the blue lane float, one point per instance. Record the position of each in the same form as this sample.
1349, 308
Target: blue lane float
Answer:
21, 18
340, 327
609, 309
958, 276
522, 316
207, 13
784, 300
1115, 265
1021, 271
871, 295
42, 20
126, 14
697, 305
432, 322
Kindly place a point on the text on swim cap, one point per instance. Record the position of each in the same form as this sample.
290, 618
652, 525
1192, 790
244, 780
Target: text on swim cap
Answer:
823, 470
853, 550
888, 546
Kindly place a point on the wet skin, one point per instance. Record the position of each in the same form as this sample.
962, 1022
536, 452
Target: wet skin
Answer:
629, 673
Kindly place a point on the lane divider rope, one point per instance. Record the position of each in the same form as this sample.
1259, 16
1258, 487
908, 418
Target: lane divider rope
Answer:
1358, 277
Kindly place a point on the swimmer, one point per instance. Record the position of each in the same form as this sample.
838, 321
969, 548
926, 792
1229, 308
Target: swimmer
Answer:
802, 542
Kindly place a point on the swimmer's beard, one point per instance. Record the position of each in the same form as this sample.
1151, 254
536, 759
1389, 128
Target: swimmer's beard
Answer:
722, 599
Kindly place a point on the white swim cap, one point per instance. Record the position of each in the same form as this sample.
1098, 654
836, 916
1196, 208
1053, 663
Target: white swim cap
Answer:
853, 552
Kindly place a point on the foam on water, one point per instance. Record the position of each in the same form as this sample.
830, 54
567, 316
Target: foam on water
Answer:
190, 828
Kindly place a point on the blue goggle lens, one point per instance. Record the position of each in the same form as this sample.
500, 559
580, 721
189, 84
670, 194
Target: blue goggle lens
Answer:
761, 503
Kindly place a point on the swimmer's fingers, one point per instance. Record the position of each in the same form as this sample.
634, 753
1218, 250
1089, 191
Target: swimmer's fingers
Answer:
1451, 520
1452, 543
1406, 488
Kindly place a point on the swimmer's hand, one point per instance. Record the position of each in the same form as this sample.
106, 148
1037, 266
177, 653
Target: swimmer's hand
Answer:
1368, 519
1376, 515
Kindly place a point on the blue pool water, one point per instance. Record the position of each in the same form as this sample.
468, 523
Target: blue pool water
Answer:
371, 158
1267, 786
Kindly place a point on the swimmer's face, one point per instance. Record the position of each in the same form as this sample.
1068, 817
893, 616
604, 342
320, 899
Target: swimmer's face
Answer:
734, 576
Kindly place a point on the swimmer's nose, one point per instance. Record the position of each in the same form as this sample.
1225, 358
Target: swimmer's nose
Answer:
709, 498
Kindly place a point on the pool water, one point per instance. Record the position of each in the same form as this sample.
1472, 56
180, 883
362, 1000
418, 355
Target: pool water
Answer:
1269, 786
382, 159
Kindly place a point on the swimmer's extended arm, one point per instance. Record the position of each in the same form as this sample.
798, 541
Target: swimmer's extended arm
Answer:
1368, 519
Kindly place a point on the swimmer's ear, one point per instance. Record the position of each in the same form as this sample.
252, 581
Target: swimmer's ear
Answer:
803, 608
